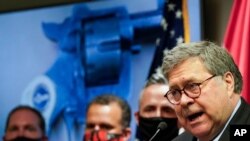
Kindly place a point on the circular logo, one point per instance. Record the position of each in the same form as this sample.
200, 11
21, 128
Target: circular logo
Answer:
41, 97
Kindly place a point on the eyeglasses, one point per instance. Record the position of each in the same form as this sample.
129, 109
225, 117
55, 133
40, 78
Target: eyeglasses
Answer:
192, 90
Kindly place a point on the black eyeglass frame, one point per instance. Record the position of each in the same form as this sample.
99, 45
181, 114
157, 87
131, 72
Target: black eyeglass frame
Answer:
191, 95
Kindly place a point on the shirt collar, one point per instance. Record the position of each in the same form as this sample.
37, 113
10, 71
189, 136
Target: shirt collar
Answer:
234, 111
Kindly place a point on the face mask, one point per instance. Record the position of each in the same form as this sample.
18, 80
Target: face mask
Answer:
148, 126
24, 139
101, 135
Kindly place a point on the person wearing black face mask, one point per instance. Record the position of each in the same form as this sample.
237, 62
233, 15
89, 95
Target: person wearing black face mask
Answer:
153, 109
25, 123
24, 139
148, 126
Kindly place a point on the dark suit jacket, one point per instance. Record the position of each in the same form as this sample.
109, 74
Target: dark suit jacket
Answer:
241, 117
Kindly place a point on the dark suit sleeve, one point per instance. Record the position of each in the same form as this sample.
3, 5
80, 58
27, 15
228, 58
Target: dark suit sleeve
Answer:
185, 136
241, 117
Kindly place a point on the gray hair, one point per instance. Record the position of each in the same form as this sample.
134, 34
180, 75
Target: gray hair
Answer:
216, 59
156, 78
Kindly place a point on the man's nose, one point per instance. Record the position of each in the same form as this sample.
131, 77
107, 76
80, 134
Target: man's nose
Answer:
20, 132
185, 99
97, 127
158, 112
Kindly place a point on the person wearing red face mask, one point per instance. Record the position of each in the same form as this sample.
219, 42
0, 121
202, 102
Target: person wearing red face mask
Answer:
108, 119
25, 123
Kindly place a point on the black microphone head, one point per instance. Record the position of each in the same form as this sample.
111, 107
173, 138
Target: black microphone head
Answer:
162, 125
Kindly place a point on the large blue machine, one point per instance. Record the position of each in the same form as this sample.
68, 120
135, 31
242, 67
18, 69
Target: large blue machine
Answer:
94, 58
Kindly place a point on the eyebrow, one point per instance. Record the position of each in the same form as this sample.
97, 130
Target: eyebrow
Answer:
12, 127
149, 106
102, 125
168, 108
183, 83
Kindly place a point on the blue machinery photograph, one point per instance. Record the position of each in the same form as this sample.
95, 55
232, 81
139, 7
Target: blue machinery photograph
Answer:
63, 56
95, 58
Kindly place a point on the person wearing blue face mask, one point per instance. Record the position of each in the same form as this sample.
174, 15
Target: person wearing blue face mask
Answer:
154, 109
108, 119
25, 123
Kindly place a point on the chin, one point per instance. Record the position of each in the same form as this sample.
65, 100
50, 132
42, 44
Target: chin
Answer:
200, 132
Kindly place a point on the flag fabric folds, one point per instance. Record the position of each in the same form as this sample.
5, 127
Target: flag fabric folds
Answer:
237, 41
175, 27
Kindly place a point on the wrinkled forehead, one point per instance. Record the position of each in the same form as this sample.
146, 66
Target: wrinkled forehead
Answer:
24, 116
178, 64
190, 66
191, 70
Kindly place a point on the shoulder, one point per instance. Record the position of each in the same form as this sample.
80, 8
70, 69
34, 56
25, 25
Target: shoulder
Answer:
185, 136
244, 109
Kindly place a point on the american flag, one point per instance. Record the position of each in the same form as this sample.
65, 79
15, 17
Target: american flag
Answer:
175, 30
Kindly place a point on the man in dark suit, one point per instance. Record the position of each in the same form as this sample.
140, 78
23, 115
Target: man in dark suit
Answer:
204, 87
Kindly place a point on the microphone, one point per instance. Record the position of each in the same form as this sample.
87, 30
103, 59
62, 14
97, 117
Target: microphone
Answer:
161, 126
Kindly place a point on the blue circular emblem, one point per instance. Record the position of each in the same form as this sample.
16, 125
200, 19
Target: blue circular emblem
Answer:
41, 97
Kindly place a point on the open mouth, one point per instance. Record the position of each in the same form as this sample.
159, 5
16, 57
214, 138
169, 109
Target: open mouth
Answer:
194, 116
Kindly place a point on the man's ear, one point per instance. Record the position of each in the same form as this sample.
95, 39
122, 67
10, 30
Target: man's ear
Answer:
45, 138
229, 81
127, 134
136, 114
